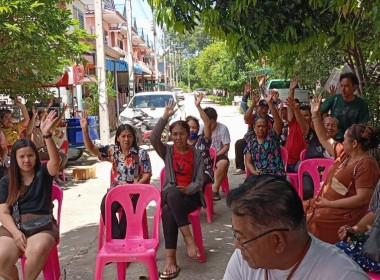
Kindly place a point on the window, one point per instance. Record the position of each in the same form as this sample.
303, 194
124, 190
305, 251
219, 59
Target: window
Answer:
78, 15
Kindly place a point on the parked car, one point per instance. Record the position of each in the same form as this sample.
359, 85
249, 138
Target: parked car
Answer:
153, 104
180, 93
203, 91
282, 86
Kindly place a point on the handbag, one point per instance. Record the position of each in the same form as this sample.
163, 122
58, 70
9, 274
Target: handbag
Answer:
33, 226
371, 248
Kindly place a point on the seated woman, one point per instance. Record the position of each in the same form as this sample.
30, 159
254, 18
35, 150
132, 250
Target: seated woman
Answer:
182, 190
351, 180
363, 251
314, 148
263, 151
30, 185
130, 164
203, 141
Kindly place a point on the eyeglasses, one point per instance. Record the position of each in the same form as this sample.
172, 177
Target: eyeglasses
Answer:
241, 244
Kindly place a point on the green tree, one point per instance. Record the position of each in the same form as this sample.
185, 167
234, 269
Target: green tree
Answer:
38, 39
219, 68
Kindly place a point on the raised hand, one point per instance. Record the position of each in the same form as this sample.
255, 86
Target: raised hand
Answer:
292, 103
66, 106
293, 83
50, 103
198, 99
17, 102
47, 122
169, 110
315, 105
84, 121
332, 90
255, 97
268, 98
35, 112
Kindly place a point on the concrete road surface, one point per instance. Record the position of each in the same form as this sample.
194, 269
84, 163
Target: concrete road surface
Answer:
80, 217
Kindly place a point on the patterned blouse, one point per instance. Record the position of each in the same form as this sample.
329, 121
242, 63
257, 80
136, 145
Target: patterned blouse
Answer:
203, 144
124, 169
266, 157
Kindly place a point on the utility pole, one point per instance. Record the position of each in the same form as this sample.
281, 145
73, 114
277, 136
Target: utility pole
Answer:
163, 44
155, 46
102, 87
188, 74
128, 14
176, 67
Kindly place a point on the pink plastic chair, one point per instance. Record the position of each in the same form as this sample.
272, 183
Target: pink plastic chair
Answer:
225, 183
302, 155
101, 223
134, 247
195, 220
311, 166
373, 275
293, 177
51, 270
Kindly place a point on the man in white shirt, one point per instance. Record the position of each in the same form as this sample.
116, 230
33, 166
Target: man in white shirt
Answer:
271, 239
221, 143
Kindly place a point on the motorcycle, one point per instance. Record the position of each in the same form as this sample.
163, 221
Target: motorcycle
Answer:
143, 125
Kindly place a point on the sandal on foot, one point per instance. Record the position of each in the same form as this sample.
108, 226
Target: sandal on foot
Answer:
216, 196
173, 275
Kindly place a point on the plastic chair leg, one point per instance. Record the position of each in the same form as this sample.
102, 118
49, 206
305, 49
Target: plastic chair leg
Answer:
197, 232
225, 185
209, 202
52, 270
99, 269
145, 225
100, 233
151, 264
121, 270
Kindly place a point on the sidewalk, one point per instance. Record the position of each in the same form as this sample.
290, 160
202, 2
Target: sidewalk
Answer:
81, 212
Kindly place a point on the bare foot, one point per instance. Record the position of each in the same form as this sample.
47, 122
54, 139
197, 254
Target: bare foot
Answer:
170, 267
192, 250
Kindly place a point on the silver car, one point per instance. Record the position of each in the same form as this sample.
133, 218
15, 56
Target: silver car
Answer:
153, 103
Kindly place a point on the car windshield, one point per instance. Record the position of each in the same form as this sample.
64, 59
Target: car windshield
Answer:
149, 101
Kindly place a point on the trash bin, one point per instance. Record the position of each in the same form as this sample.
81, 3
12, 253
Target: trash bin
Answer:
74, 130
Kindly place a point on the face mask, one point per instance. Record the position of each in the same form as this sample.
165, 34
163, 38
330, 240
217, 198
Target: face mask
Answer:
37, 123
193, 135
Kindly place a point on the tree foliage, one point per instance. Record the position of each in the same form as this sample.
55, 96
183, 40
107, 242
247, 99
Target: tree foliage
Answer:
219, 68
38, 39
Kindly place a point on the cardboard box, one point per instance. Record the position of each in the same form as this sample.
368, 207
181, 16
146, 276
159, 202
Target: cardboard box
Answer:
84, 173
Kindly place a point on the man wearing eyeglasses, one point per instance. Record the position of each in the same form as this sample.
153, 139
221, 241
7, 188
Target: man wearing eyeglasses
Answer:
271, 239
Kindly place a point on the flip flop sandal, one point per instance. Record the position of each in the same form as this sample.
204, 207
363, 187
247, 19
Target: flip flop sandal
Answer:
173, 275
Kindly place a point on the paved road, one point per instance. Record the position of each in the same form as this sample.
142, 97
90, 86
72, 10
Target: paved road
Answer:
80, 217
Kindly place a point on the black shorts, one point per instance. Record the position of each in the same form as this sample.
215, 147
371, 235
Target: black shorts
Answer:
218, 158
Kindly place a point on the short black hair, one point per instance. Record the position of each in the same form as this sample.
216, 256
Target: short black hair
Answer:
351, 76
270, 201
211, 113
305, 108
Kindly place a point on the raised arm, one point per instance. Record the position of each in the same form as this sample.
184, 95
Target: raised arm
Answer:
155, 136
4, 147
32, 122
327, 143
292, 88
297, 112
24, 112
54, 158
61, 115
248, 118
204, 117
86, 136
277, 125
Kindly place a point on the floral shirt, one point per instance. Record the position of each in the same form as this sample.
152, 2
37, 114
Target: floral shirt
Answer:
126, 169
266, 157
203, 144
